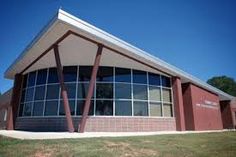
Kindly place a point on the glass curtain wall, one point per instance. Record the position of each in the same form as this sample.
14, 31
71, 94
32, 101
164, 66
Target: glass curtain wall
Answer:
117, 92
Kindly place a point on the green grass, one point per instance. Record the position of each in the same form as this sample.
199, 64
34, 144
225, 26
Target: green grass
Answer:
188, 145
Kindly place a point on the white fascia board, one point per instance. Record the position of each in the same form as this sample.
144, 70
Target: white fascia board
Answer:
104, 36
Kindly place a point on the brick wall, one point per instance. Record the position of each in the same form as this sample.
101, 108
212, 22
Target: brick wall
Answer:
98, 124
199, 114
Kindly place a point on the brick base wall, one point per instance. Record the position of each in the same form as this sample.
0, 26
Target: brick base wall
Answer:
98, 124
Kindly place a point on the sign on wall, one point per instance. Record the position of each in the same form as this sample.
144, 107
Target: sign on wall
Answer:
208, 104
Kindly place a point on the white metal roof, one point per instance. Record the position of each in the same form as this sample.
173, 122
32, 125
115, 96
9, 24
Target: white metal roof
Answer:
64, 21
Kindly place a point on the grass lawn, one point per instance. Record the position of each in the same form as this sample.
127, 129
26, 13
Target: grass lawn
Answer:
188, 145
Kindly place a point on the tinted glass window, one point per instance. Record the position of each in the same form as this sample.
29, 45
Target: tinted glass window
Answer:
166, 95
25, 80
21, 109
122, 91
22, 99
155, 109
70, 73
71, 90
52, 76
154, 79
83, 90
105, 74
104, 90
167, 110
154, 93
140, 92
41, 77
39, 93
38, 108
104, 107
80, 107
31, 79
72, 108
29, 94
85, 73
51, 108
123, 108
122, 75
53, 91
139, 77
140, 108
165, 81
27, 109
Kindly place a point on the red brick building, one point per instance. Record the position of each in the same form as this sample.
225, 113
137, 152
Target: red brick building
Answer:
76, 77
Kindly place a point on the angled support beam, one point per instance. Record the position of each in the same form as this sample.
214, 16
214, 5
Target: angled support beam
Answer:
63, 90
90, 90
14, 104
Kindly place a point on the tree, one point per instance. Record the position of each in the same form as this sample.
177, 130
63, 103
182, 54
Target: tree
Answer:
224, 83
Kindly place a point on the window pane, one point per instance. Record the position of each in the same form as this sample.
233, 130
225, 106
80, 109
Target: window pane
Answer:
155, 109
25, 80
21, 110
104, 107
29, 94
51, 108
22, 99
140, 92
80, 107
165, 81
71, 90
85, 73
167, 110
83, 90
123, 91
38, 108
41, 77
70, 73
154, 79
52, 76
123, 108
122, 75
72, 108
27, 109
166, 95
53, 91
31, 79
154, 93
139, 77
104, 90
105, 74
39, 93
140, 108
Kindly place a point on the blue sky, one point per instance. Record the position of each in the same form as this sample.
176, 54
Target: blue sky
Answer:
198, 36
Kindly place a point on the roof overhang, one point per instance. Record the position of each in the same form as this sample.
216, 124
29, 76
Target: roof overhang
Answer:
64, 22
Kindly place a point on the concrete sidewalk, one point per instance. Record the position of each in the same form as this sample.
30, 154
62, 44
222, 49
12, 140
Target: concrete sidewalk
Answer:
63, 135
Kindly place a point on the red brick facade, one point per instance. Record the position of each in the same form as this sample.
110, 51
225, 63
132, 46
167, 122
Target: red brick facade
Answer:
202, 109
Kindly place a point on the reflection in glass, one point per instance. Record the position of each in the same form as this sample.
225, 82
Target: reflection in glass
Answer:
52, 76
140, 108
31, 79
85, 73
51, 108
123, 91
140, 92
154, 79
105, 74
27, 109
104, 90
53, 91
38, 108
62, 109
39, 93
70, 73
168, 110
29, 94
155, 109
104, 107
165, 81
41, 77
122, 75
154, 93
139, 76
123, 108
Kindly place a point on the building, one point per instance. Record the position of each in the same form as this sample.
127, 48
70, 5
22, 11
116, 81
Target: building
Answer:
76, 77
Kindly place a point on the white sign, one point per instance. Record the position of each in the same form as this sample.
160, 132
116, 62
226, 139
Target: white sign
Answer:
208, 104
